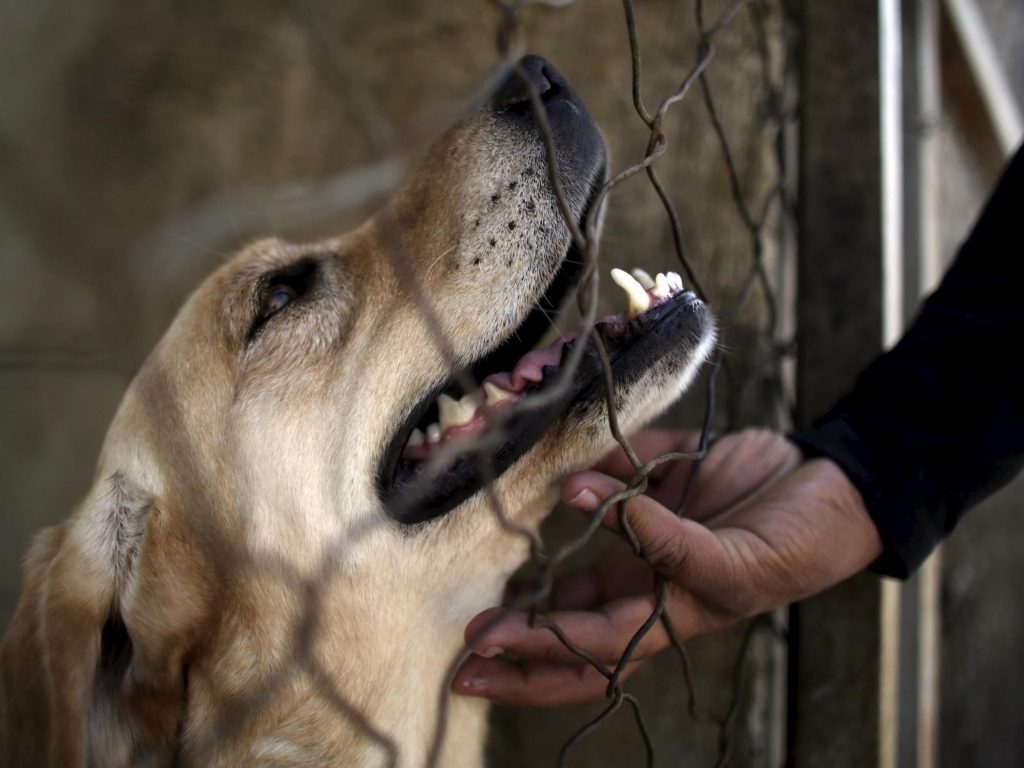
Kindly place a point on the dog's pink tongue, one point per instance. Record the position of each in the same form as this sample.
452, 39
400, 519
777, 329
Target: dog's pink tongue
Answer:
530, 367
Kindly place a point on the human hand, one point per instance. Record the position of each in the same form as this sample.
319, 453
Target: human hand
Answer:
761, 530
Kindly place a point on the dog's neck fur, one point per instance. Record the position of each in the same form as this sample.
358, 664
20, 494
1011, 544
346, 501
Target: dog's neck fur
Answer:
321, 631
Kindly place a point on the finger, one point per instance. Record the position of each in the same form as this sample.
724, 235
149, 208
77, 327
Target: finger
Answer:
532, 684
603, 633
667, 480
520, 589
576, 591
647, 445
737, 467
618, 573
683, 551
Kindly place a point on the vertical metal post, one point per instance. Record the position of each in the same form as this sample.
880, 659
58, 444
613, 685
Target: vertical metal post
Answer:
844, 664
890, 65
993, 87
919, 626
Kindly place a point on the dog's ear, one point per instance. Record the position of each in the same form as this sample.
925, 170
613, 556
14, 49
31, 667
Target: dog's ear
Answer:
93, 664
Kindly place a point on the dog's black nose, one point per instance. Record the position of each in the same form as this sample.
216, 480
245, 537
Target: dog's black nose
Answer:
535, 71
576, 140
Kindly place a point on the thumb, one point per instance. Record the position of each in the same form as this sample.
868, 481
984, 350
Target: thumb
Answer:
681, 550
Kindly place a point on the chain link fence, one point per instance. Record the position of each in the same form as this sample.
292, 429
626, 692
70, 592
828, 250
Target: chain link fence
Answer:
745, 275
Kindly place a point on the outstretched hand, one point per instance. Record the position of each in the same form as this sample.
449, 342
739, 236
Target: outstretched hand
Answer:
761, 529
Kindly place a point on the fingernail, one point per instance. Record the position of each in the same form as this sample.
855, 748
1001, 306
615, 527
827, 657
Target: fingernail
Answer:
475, 684
493, 651
586, 500
469, 685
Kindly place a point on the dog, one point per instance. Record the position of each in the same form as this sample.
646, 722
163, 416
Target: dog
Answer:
288, 531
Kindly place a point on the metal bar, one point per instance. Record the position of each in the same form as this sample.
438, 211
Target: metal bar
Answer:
929, 657
919, 626
843, 704
993, 87
922, 114
890, 68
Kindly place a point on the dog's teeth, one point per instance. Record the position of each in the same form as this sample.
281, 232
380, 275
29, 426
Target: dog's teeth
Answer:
662, 289
495, 394
643, 278
675, 281
434, 433
454, 413
472, 401
638, 299
416, 438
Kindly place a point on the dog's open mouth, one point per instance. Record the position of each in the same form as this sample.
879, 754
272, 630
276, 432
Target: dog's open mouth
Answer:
455, 441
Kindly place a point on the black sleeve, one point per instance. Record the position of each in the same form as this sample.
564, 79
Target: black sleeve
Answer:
937, 423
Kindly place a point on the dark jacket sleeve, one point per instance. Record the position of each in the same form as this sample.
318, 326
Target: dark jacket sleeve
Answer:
937, 423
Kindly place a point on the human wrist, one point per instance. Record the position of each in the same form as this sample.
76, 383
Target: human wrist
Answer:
856, 539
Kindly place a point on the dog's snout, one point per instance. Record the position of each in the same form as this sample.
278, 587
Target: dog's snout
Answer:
579, 148
531, 73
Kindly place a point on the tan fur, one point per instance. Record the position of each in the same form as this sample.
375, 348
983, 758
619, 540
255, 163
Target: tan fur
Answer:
233, 525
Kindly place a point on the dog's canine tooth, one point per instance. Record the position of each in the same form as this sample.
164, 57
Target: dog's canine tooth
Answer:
472, 401
434, 433
638, 299
416, 438
495, 394
643, 278
662, 289
454, 413
675, 281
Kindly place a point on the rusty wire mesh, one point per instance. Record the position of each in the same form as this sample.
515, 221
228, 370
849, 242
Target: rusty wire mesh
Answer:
213, 222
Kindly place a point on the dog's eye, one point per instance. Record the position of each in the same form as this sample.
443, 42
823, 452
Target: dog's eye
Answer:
277, 296
277, 290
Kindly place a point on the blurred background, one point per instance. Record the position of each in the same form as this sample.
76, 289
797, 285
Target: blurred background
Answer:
141, 141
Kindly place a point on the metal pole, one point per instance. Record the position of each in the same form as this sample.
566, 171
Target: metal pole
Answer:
844, 662
919, 627
994, 89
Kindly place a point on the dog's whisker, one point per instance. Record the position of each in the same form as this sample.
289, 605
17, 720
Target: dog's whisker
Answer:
552, 321
434, 263
222, 255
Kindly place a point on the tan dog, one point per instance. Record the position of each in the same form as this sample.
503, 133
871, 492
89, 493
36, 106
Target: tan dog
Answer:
268, 570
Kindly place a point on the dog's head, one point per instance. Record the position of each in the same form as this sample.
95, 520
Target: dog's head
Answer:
329, 380
310, 397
